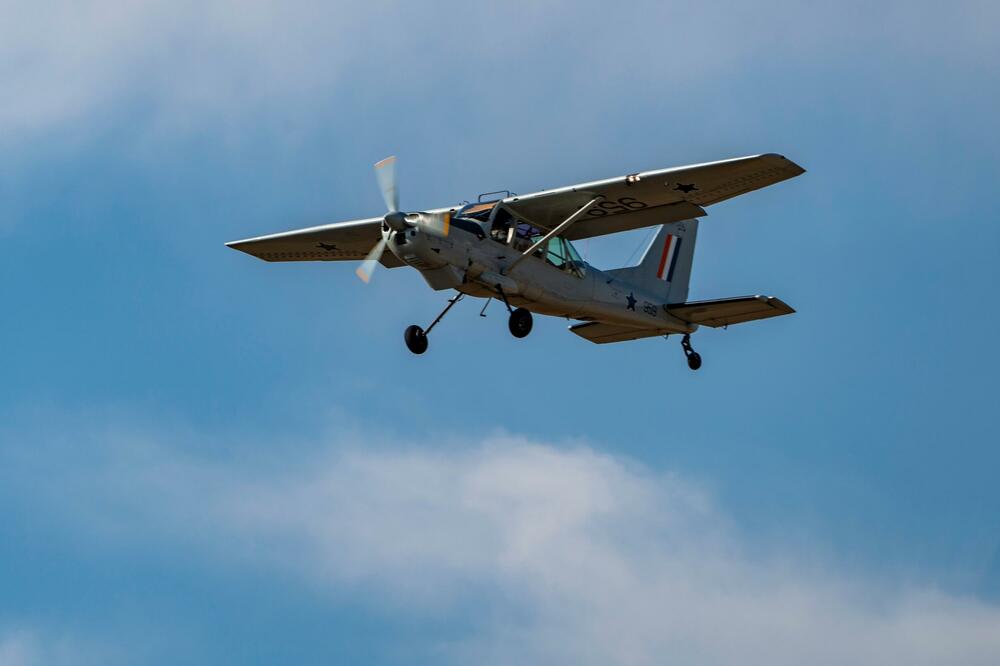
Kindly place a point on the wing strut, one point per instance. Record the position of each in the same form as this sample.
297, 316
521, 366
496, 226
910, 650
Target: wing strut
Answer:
561, 227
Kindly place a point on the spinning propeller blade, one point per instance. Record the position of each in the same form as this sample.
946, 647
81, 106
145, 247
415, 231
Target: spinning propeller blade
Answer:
367, 266
385, 171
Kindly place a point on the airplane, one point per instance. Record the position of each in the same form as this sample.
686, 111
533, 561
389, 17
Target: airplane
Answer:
519, 250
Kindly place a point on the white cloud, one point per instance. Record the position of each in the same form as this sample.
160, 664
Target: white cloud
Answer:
17, 649
564, 555
20, 646
68, 66
64, 62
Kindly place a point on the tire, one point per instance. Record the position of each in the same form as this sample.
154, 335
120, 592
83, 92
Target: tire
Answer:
416, 339
520, 323
694, 360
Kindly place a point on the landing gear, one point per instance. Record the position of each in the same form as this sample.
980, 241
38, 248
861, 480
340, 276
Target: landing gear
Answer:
416, 337
693, 357
520, 323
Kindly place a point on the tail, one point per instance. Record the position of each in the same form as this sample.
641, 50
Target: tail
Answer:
665, 268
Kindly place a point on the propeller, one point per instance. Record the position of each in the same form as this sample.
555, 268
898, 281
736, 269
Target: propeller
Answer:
367, 267
437, 224
385, 172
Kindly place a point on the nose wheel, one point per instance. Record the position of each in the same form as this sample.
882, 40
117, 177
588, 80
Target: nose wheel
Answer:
693, 357
416, 337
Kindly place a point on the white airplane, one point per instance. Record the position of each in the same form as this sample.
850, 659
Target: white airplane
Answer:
518, 249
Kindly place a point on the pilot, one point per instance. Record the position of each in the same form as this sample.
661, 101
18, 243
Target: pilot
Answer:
500, 231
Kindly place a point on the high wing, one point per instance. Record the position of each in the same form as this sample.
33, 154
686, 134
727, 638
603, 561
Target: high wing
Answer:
340, 241
651, 197
628, 202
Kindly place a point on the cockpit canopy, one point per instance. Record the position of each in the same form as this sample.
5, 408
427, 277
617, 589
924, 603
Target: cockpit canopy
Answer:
477, 211
504, 228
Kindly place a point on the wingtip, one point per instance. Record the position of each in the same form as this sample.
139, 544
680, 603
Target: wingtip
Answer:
781, 305
791, 164
240, 246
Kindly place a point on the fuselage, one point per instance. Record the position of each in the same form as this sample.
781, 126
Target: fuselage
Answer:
469, 260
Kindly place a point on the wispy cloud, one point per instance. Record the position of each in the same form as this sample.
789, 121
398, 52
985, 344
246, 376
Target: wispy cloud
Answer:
65, 62
17, 649
66, 65
22, 646
567, 554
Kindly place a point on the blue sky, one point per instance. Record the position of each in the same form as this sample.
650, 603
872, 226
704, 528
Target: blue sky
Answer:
208, 458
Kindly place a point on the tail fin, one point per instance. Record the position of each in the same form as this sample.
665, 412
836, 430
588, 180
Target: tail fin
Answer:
665, 268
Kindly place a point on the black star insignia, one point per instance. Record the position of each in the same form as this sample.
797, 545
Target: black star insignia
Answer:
329, 247
631, 302
681, 187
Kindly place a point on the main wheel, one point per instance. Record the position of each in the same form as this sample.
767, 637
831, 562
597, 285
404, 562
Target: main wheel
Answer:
416, 339
519, 323
694, 360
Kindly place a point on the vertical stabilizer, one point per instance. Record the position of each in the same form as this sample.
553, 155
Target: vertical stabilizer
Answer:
665, 269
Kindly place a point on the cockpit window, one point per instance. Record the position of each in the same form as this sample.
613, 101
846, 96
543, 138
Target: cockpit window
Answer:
560, 253
471, 218
556, 253
480, 212
574, 256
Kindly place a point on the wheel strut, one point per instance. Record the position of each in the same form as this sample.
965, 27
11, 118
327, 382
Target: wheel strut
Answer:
503, 296
451, 302
416, 337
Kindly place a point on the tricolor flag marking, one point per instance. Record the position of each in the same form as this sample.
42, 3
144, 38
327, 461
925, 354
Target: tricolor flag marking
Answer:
668, 260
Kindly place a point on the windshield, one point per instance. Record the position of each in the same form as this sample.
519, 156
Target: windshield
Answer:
480, 212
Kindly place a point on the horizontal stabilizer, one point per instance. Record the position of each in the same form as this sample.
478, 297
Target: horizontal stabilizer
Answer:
721, 312
726, 311
602, 332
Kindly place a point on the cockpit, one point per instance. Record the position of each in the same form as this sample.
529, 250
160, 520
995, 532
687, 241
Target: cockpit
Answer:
557, 251
505, 229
